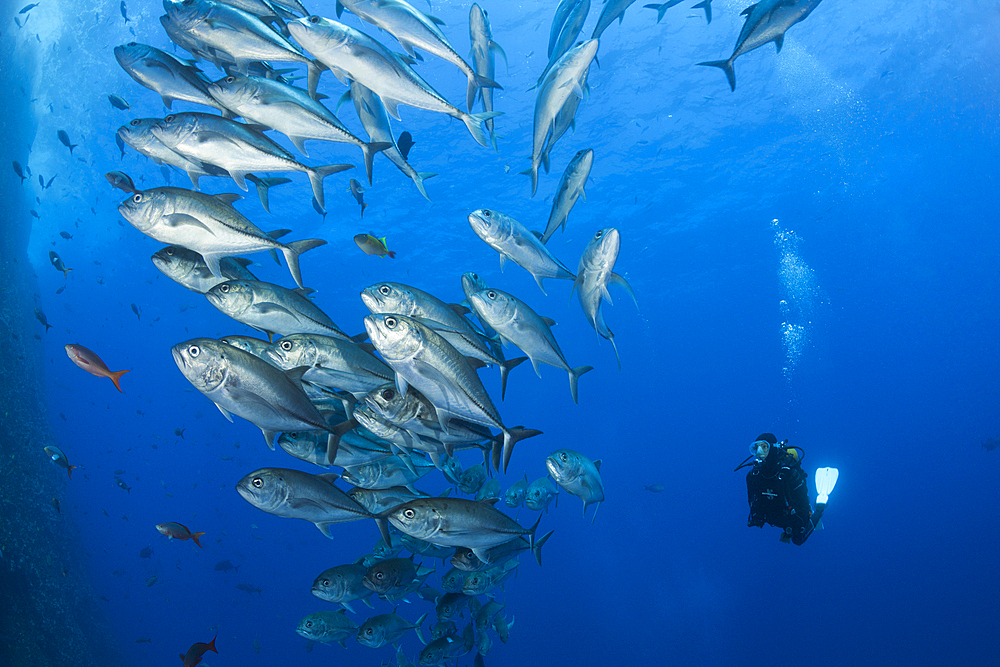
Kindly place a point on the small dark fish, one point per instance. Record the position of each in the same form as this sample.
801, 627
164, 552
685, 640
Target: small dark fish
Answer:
41, 181
65, 235
104, 598
372, 245
135, 309
656, 488
121, 145
64, 138
226, 566
28, 8
40, 316
34, 214
125, 12
991, 444
150, 581
120, 180
119, 472
55, 503
144, 640
60, 290
120, 483
146, 552
179, 432
48, 184
19, 170
404, 144
359, 194
249, 589
119, 102
58, 263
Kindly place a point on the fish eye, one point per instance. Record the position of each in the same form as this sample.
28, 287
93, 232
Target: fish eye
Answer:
286, 345
563, 456
379, 575
385, 290
325, 582
135, 123
224, 288
391, 322
137, 198
487, 213
194, 350
230, 79
409, 513
309, 624
169, 119
491, 294
389, 394
599, 234
257, 482
475, 276
369, 631
170, 252
314, 19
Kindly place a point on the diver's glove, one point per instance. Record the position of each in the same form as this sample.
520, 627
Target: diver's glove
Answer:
755, 520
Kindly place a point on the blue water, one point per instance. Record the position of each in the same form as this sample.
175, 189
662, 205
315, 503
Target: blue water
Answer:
816, 255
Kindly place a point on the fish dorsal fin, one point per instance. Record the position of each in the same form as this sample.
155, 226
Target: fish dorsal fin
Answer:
303, 291
328, 477
295, 374
228, 197
277, 233
488, 501
476, 363
597, 464
242, 261
459, 308
549, 321
538, 235
746, 12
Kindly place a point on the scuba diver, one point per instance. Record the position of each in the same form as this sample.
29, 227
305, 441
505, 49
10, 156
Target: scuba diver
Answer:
777, 492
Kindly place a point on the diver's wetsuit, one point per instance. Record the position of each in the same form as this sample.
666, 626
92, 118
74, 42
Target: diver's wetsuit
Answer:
776, 491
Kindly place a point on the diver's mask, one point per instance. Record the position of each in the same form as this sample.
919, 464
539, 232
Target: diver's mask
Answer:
760, 449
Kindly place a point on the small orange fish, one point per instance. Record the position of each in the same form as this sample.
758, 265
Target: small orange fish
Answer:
198, 649
179, 532
373, 245
92, 363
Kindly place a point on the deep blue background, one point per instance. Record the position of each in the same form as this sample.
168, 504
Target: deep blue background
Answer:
871, 140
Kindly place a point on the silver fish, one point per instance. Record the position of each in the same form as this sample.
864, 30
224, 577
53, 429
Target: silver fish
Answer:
424, 359
254, 346
767, 21
571, 188
375, 120
332, 362
384, 629
594, 274
514, 496
484, 51
575, 17
206, 224
167, 75
313, 447
515, 242
139, 135
540, 494
342, 584
466, 561
241, 384
484, 581
298, 495
457, 522
327, 626
387, 472
272, 308
516, 322
378, 501
416, 30
613, 9
472, 479
565, 78
288, 110
187, 268
578, 475
351, 54
236, 148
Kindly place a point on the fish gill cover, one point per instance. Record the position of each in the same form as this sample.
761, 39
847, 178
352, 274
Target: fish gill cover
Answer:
811, 252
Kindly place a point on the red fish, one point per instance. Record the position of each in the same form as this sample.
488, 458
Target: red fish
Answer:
198, 649
176, 531
92, 363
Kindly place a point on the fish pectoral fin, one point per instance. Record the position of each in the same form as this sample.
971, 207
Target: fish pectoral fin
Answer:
270, 437
548, 321
177, 220
225, 413
324, 527
615, 279
306, 504
606, 295
271, 308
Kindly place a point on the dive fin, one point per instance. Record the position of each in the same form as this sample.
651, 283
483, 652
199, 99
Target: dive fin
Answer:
826, 479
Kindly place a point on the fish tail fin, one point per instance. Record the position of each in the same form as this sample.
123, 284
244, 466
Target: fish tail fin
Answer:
364, 205
369, 150
511, 438
115, 376
314, 69
391, 253
69, 470
195, 536
574, 376
531, 531
420, 636
493, 137
263, 185
611, 337
66, 273
474, 122
477, 81
532, 171
661, 9
505, 368
333, 440
316, 176
71, 147
292, 252
707, 6
727, 67
418, 179
536, 548
47, 327
211, 644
